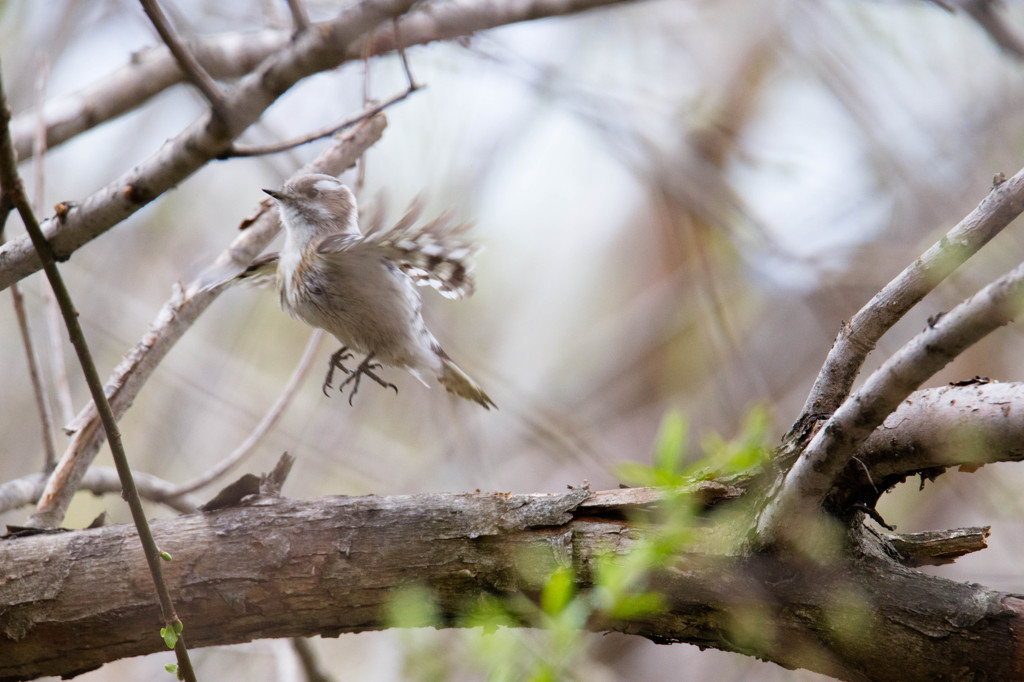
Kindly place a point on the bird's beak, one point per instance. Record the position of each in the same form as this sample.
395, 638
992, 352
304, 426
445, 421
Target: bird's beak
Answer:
274, 193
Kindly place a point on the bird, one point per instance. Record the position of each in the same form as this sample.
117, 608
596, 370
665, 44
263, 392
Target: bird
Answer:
362, 288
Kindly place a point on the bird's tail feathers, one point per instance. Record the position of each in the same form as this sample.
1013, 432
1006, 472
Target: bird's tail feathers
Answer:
458, 382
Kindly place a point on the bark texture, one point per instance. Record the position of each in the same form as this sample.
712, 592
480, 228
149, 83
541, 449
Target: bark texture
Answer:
278, 568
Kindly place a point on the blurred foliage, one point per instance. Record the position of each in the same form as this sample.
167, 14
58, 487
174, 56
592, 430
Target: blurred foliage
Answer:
514, 638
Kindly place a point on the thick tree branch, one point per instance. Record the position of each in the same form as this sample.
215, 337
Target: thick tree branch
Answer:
284, 568
933, 430
858, 338
149, 73
814, 473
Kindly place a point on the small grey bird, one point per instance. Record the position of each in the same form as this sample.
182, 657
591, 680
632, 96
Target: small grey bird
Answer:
362, 288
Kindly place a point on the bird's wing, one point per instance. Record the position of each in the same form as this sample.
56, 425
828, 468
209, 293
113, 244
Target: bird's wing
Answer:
340, 242
430, 254
262, 272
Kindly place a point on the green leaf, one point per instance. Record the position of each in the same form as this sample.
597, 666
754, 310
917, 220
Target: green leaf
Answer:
171, 633
636, 474
558, 592
171, 668
670, 447
744, 452
412, 606
638, 606
166, 556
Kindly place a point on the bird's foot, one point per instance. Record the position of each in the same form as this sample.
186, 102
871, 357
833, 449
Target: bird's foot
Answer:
336, 363
366, 367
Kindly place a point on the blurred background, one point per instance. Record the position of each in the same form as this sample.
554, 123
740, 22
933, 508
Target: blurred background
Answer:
680, 202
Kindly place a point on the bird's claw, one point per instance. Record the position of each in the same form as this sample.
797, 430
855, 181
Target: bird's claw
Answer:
366, 367
336, 363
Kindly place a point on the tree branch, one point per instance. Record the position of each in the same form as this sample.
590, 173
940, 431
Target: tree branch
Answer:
193, 70
201, 142
270, 419
933, 430
35, 376
149, 73
814, 473
99, 481
858, 338
368, 112
234, 55
284, 568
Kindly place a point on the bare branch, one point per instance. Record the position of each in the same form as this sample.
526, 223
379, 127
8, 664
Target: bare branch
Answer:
327, 566
174, 319
24, 491
932, 430
858, 338
12, 187
938, 547
998, 29
400, 45
816, 470
194, 71
234, 55
204, 140
308, 660
300, 19
149, 73
369, 112
32, 358
58, 369
430, 23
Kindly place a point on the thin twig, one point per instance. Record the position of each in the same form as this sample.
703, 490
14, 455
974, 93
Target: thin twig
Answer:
858, 338
370, 112
12, 185
400, 46
300, 18
51, 313
35, 375
58, 368
308, 661
32, 358
194, 71
98, 480
273, 415
998, 29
